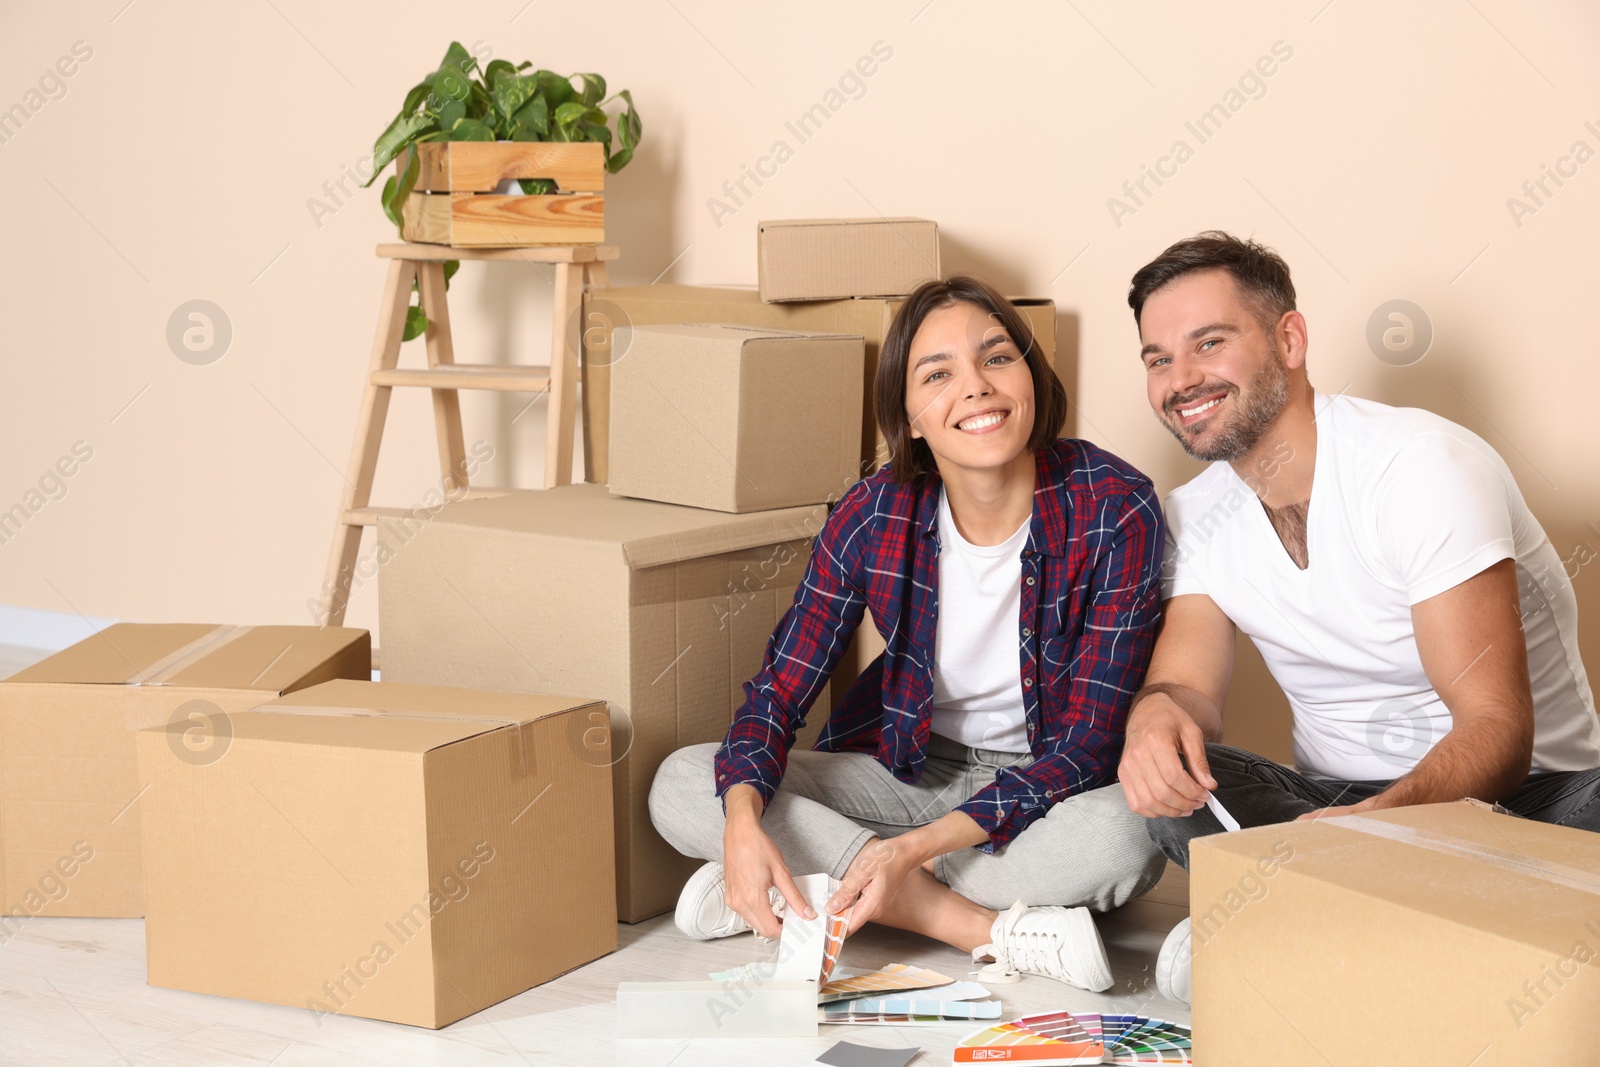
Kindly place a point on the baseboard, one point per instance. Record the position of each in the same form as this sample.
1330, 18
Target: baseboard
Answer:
49, 630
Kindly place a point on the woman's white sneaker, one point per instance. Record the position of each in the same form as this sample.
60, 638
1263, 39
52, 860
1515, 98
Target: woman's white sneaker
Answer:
1059, 943
1172, 966
703, 911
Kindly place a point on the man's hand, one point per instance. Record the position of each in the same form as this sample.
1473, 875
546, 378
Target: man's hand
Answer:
752, 865
1160, 737
1370, 804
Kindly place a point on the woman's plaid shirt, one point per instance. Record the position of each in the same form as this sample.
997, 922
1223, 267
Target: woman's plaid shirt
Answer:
1090, 603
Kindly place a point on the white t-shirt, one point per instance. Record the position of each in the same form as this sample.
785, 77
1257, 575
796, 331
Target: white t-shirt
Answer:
1404, 505
977, 662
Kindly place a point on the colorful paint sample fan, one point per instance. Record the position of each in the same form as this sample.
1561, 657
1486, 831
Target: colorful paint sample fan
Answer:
1061, 1038
1140, 1039
1053, 1040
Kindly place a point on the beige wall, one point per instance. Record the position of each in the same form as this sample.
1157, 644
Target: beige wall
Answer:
1378, 158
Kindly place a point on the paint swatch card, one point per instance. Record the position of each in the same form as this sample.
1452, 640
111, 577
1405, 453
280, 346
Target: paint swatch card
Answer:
894, 978
851, 1013
930, 1002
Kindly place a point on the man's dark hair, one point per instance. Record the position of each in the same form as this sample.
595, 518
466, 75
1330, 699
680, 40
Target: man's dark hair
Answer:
1260, 273
909, 456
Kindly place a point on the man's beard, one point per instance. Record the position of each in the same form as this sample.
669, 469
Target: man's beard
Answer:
1258, 405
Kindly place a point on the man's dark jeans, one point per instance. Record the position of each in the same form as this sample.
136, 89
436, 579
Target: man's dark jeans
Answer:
1259, 792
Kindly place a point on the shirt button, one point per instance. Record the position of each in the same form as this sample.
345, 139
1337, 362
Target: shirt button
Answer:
1027, 683
1030, 579
1027, 632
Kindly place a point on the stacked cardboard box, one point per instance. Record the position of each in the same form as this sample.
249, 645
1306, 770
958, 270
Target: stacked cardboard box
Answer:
660, 610
397, 852
832, 259
736, 418
1330, 941
71, 808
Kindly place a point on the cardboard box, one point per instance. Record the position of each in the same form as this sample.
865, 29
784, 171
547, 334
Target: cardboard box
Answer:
1441, 931
67, 764
736, 418
651, 305
396, 852
663, 611
832, 259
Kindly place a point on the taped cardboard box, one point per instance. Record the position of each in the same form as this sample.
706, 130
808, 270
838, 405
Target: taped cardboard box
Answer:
736, 418
398, 852
662, 611
652, 305
67, 764
1331, 941
833, 259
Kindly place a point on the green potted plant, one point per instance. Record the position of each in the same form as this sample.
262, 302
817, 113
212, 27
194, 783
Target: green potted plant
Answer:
503, 110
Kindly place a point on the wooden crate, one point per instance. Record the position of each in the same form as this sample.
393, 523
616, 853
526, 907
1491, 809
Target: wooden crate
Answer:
454, 204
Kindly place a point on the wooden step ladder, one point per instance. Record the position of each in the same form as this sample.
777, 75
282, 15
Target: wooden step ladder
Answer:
577, 268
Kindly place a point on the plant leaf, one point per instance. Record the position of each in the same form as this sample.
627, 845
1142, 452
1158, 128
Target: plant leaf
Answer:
394, 195
556, 89
416, 323
628, 133
470, 130
511, 92
535, 115
537, 186
594, 88
451, 112
493, 71
450, 268
570, 113
397, 136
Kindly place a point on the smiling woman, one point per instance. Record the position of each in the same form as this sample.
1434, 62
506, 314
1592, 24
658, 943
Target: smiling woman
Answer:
963, 787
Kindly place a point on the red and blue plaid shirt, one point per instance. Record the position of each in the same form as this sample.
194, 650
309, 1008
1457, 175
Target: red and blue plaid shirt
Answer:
1090, 603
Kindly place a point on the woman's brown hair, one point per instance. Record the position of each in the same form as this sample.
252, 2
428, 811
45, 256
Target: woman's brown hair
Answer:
910, 457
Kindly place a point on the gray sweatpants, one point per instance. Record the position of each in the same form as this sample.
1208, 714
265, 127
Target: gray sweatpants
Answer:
1087, 850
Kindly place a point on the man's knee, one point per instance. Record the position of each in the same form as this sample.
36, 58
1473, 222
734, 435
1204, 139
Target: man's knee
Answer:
1172, 837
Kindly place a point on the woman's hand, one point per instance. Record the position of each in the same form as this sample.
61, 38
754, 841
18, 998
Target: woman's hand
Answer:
874, 877
752, 865
881, 868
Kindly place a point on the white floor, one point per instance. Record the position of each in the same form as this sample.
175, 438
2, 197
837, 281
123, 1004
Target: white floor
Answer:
72, 991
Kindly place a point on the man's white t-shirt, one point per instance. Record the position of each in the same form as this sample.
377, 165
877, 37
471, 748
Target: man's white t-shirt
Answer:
1404, 505
977, 662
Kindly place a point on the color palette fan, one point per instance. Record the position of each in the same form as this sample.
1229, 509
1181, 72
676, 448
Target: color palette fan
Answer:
1062, 1039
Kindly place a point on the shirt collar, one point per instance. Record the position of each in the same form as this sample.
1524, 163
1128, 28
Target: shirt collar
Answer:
1047, 533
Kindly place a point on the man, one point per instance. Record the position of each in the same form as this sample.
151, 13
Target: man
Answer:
1383, 561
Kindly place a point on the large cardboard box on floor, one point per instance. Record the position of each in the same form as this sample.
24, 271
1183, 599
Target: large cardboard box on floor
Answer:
399, 852
1441, 931
736, 418
649, 305
833, 259
662, 611
67, 767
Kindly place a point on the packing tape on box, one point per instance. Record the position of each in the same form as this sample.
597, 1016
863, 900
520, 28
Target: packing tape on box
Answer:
524, 760
1505, 859
163, 670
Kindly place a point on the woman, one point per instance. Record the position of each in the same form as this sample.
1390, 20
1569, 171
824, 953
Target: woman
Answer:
960, 789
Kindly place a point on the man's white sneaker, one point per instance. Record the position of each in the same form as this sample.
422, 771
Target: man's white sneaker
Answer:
703, 911
1172, 966
1059, 943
